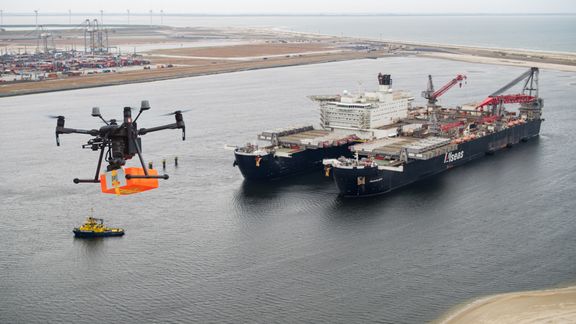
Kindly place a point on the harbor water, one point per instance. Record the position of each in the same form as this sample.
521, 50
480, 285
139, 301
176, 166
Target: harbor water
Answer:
207, 247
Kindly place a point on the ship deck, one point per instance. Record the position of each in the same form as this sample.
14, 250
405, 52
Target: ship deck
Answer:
308, 137
417, 148
319, 138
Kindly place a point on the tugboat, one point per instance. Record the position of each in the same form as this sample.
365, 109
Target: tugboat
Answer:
94, 227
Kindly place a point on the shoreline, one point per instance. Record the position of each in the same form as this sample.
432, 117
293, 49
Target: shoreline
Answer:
499, 61
244, 49
556, 305
168, 74
416, 43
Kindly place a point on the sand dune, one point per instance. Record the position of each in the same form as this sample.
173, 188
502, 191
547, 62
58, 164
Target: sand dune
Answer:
545, 306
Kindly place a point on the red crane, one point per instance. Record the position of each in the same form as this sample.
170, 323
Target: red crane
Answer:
529, 91
515, 98
433, 96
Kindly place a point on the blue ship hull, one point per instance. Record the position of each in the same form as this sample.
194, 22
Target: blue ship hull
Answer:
89, 234
370, 181
272, 167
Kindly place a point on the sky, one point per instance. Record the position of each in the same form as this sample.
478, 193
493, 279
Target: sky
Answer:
294, 6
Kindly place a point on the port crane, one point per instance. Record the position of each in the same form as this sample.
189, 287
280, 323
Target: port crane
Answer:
528, 95
433, 95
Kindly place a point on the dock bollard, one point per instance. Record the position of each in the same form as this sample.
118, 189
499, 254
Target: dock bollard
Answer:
150, 166
164, 164
175, 161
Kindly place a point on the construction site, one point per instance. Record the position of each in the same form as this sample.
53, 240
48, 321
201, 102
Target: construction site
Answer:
88, 52
70, 56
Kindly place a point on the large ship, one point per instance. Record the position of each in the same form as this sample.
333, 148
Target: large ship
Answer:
434, 139
345, 119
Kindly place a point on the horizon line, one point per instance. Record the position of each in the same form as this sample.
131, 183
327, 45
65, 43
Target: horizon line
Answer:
138, 13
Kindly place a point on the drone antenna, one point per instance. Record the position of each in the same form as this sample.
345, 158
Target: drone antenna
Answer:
145, 105
96, 113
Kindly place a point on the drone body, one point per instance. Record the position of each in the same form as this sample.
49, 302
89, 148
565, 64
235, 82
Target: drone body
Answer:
117, 144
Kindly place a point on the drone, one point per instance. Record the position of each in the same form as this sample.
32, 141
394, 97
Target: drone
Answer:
118, 143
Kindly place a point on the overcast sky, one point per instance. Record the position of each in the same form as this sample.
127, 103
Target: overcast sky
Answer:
295, 6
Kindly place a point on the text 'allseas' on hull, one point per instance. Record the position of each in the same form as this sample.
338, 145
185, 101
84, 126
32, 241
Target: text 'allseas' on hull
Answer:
372, 179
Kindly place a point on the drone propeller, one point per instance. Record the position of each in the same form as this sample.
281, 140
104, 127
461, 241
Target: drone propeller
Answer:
56, 117
176, 112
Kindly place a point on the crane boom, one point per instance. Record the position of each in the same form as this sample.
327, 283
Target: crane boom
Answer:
515, 98
433, 96
528, 74
529, 90
448, 85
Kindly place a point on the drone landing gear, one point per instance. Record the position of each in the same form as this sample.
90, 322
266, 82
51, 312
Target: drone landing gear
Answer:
128, 176
96, 179
131, 176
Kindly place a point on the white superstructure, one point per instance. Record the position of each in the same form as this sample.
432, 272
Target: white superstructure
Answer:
367, 110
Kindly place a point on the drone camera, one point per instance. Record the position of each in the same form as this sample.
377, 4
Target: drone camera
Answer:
93, 144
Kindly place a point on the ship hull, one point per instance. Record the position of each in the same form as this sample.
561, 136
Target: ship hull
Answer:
370, 181
89, 234
271, 167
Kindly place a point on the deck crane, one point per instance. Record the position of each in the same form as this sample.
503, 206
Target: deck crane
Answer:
528, 96
433, 96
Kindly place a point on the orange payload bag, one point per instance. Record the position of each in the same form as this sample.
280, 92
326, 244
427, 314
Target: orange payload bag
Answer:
115, 182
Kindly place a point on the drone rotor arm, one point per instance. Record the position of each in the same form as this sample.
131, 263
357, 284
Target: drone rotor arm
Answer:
64, 130
177, 125
60, 129
144, 131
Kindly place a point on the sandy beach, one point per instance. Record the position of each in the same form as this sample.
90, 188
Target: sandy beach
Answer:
500, 61
544, 306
